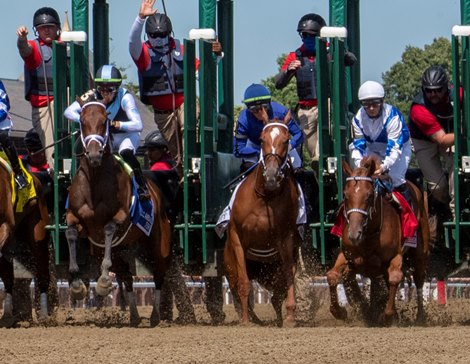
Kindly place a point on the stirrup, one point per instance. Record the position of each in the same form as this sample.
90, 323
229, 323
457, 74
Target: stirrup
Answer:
21, 181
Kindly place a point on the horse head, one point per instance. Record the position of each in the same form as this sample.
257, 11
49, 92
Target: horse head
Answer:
94, 128
359, 198
274, 153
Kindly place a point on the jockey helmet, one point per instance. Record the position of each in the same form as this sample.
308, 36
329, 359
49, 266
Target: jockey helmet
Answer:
155, 140
371, 90
311, 23
256, 94
434, 77
108, 75
158, 26
32, 141
46, 16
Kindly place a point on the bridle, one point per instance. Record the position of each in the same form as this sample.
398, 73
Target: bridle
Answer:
366, 213
101, 140
282, 161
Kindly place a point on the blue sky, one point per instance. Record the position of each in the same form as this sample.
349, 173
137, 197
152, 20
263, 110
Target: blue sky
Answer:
263, 30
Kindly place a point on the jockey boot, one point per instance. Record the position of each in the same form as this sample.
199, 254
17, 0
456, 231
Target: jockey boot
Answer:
405, 192
129, 158
12, 155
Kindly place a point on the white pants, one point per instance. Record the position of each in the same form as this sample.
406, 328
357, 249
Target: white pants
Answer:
128, 140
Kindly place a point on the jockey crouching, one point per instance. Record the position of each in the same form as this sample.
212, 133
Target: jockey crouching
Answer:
123, 115
247, 145
379, 129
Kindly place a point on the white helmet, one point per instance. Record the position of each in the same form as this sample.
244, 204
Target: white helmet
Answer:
371, 90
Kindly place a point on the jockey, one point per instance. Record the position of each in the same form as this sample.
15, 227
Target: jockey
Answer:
247, 145
5, 141
251, 121
124, 117
379, 129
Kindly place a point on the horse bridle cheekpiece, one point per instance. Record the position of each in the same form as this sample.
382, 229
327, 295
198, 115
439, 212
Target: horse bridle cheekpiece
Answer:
282, 162
102, 141
361, 211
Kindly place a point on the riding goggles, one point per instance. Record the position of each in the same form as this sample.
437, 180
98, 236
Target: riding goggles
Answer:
434, 90
307, 35
108, 89
374, 102
157, 35
257, 107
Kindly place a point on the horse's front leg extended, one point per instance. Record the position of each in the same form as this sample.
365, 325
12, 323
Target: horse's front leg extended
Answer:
395, 276
104, 284
290, 269
78, 289
333, 277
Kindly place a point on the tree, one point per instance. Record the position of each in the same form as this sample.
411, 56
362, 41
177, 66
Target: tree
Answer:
403, 81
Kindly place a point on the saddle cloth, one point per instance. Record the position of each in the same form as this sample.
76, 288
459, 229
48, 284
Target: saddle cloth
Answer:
22, 197
409, 223
224, 218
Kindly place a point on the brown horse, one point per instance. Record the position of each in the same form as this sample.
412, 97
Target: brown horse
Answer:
28, 227
372, 244
262, 235
99, 209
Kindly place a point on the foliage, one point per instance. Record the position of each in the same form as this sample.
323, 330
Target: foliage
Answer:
403, 81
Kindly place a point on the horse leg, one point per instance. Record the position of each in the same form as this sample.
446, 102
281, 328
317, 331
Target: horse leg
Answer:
6, 274
78, 289
276, 300
419, 276
395, 276
41, 253
333, 277
121, 295
104, 284
289, 269
124, 275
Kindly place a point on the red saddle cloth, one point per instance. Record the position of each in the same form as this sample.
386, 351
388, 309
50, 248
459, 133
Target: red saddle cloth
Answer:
409, 223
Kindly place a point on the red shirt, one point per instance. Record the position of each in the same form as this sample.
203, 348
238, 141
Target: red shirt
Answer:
32, 62
163, 102
425, 120
161, 165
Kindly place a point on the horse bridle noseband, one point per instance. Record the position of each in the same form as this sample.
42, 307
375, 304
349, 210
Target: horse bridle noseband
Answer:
361, 211
102, 141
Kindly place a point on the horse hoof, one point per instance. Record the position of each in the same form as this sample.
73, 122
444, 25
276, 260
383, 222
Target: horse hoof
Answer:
134, 322
103, 286
8, 321
154, 318
77, 291
339, 313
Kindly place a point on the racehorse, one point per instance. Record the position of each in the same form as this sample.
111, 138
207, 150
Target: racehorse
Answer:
99, 209
262, 235
28, 227
372, 244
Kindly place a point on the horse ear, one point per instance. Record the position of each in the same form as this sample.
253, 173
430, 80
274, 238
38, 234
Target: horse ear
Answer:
346, 167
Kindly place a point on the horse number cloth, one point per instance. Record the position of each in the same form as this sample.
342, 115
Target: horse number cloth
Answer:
22, 197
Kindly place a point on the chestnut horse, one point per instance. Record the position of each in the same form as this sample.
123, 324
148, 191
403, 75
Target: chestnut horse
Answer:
372, 244
262, 235
99, 209
28, 227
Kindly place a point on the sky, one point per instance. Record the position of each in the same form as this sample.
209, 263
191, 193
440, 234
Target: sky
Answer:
263, 31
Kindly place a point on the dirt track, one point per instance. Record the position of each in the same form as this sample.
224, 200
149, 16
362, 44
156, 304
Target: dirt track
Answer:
103, 337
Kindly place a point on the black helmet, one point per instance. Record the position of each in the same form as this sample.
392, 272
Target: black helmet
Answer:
311, 23
32, 141
109, 75
155, 140
45, 16
434, 77
158, 25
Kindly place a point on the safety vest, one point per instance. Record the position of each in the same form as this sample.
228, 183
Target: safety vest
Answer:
115, 110
306, 77
444, 117
165, 75
37, 79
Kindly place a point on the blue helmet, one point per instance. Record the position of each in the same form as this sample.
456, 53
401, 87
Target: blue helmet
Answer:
256, 94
